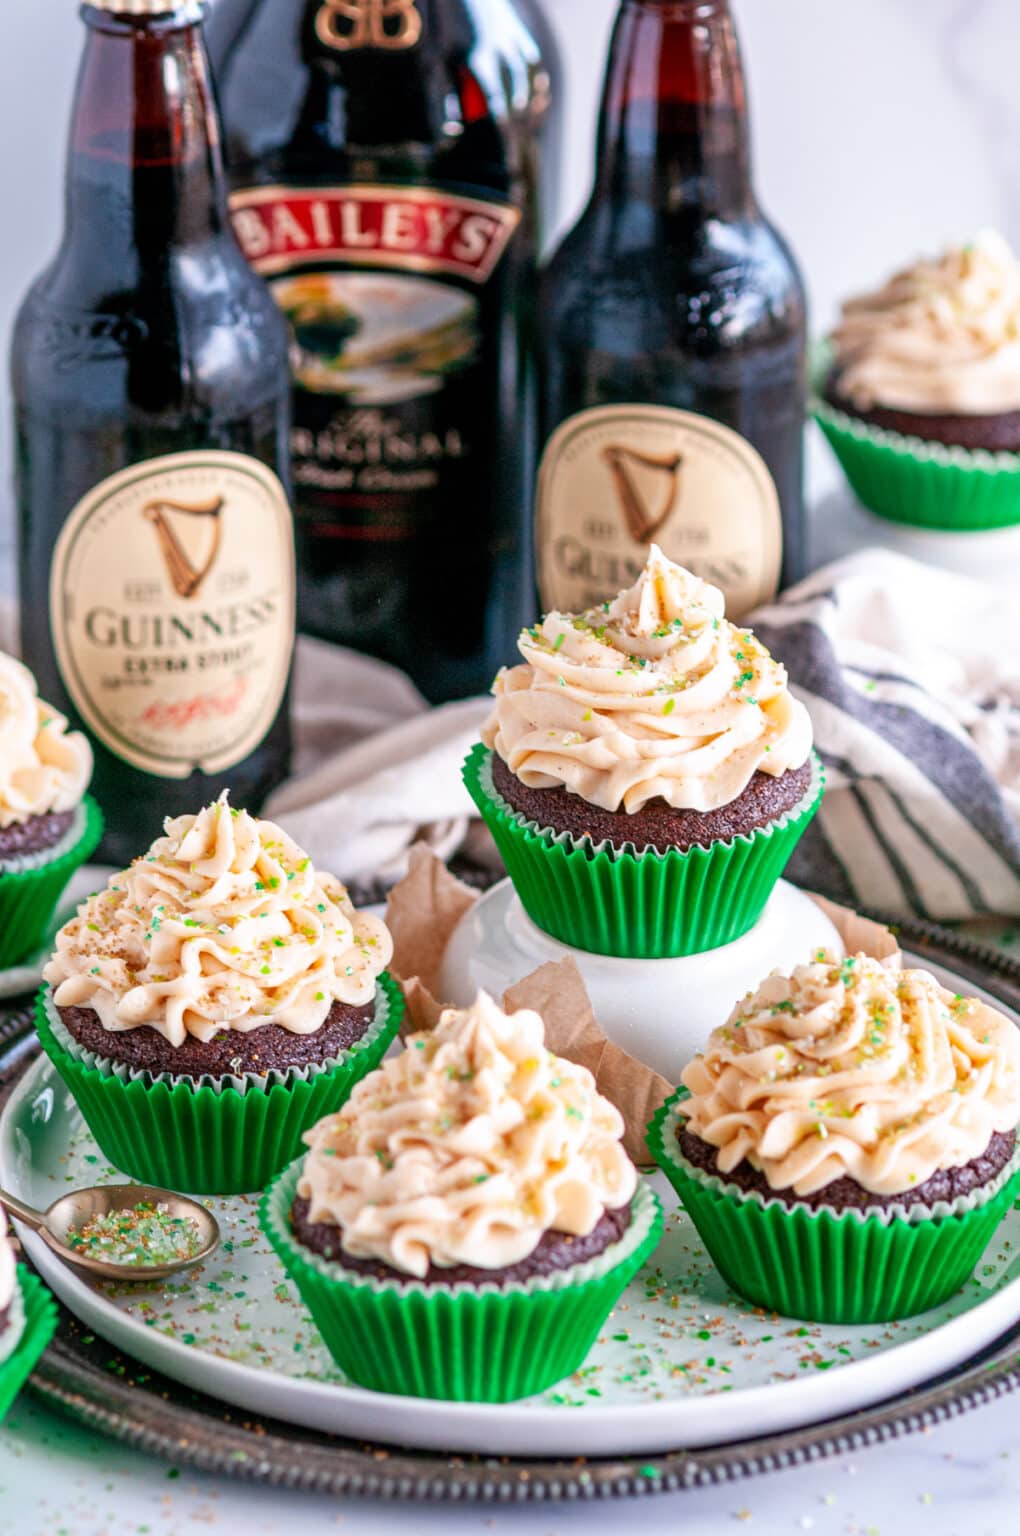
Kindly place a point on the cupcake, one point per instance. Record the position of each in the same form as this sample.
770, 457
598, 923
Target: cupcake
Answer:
27, 1320
920, 390
216, 999
48, 825
646, 773
846, 1145
462, 1228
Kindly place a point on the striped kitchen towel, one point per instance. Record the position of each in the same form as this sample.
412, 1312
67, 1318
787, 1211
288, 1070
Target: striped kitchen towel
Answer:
912, 679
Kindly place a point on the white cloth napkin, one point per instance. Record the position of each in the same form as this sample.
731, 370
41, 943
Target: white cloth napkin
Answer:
376, 768
912, 677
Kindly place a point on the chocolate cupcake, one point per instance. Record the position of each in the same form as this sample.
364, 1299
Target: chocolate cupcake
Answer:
462, 1228
920, 390
27, 1320
213, 1001
646, 773
48, 824
846, 1145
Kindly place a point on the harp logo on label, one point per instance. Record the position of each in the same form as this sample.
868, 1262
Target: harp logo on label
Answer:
182, 566
349, 24
643, 519
172, 609
616, 477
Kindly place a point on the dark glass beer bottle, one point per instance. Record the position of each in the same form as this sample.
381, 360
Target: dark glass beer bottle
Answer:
673, 331
383, 156
156, 564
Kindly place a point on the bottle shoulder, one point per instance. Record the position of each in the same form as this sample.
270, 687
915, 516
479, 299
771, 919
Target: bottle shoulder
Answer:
673, 277
202, 326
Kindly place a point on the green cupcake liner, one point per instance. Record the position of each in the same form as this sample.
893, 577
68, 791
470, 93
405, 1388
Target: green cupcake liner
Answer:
642, 906
37, 1330
209, 1140
908, 480
29, 890
822, 1266
461, 1343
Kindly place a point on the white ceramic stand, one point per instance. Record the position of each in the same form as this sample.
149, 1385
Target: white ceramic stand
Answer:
661, 1011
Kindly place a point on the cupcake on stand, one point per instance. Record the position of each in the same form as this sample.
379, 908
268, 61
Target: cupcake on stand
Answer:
646, 775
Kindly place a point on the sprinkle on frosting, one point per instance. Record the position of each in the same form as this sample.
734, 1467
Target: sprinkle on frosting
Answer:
8, 1276
942, 336
223, 924
44, 767
467, 1148
654, 694
847, 1068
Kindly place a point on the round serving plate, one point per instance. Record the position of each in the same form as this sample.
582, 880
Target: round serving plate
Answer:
111, 1392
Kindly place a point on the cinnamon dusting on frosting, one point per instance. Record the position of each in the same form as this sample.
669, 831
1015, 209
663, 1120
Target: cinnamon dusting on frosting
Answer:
847, 1068
44, 767
467, 1147
941, 336
654, 694
224, 924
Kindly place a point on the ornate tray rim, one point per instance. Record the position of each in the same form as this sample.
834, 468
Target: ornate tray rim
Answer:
285, 1457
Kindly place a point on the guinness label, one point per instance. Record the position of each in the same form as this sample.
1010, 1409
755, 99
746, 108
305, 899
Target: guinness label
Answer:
615, 478
172, 610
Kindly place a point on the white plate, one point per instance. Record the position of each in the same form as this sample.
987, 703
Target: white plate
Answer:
681, 1362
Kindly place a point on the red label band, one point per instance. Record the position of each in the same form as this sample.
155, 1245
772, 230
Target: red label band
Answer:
416, 228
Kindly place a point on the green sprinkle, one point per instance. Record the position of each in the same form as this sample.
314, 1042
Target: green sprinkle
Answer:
669, 706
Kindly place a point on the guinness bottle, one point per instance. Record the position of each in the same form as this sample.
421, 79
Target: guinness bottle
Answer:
673, 369
156, 564
384, 164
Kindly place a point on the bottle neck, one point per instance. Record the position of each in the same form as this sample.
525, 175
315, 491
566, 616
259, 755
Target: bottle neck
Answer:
145, 169
673, 125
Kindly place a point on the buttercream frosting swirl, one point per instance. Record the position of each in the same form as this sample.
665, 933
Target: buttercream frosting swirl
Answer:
941, 336
224, 924
656, 693
467, 1147
44, 767
8, 1276
847, 1068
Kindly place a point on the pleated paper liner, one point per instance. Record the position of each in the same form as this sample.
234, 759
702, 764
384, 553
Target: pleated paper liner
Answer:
908, 480
646, 905
220, 1136
31, 885
460, 1343
832, 1267
36, 1328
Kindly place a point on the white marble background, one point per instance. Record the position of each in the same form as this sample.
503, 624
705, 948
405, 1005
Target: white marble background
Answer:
883, 127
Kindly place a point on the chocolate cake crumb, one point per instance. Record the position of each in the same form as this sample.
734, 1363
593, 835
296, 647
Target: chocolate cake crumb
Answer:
657, 824
845, 1193
34, 835
555, 1251
260, 1050
995, 433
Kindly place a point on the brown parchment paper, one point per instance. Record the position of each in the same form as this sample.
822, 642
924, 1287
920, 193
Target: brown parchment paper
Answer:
425, 908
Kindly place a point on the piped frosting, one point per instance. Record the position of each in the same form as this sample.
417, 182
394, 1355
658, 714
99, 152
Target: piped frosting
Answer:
44, 767
654, 694
223, 924
940, 337
845, 1068
467, 1147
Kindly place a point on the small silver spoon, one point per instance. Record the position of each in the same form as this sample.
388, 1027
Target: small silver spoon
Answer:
71, 1212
